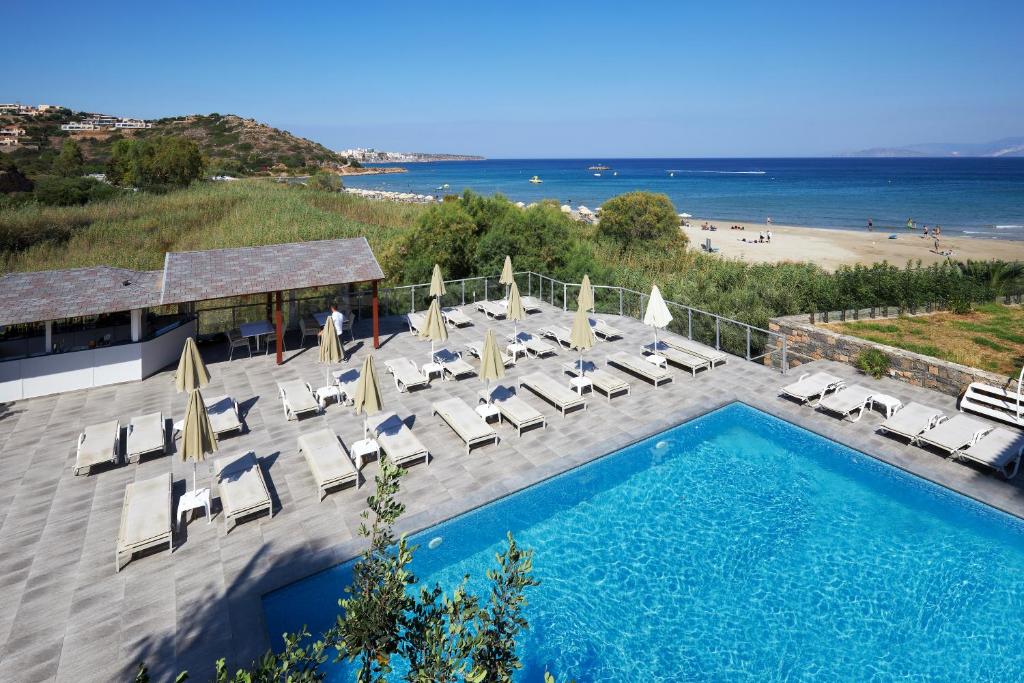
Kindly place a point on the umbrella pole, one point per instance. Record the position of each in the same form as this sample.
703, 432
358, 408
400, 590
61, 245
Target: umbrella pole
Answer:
579, 388
195, 469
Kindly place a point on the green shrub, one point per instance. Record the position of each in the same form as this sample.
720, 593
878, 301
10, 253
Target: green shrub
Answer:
55, 191
639, 216
873, 362
327, 182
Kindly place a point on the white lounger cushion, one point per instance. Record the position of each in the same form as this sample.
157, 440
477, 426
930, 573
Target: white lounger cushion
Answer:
223, 412
604, 330
912, 419
696, 348
145, 517
811, 385
514, 409
847, 400
476, 348
555, 392
397, 440
681, 358
298, 398
465, 422
492, 309
603, 380
242, 488
456, 316
147, 434
416, 321
959, 431
530, 305
562, 335
98, 444
330, 465
1001, 449
453, 364
535, 345
640, 366
406, 373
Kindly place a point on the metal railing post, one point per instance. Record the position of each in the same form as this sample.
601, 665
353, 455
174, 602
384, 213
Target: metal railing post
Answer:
620, 302
689, 322
748, 342
529, 283
565, 296
485, 289
412, 299
463, 292
718, 335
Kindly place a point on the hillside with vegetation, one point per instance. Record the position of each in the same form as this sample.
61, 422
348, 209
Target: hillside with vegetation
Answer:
230, 144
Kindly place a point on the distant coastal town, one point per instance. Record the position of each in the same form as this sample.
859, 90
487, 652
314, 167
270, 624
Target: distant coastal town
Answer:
369, 155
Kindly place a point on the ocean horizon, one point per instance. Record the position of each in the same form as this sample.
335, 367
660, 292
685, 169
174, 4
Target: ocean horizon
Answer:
979, 197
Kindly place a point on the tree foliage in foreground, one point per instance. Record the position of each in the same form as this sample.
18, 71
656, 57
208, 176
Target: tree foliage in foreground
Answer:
640, 216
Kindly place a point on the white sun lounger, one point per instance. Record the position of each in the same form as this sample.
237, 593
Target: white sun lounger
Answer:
476, 348
297, 398
342, 387
676, 357
954, 434
530, 304
243, 491
911, 420
406, 374
637, 365
1001, 449
397, 440
492, 309
847, 400
708, 353
98, 444
513, 409
224, 416
416, 322
330, 465
562, 335
535, 346
452, 365
553, 391
465, 422
146, 434
812, 385
145, 518
602, 380
455, 317
603, 330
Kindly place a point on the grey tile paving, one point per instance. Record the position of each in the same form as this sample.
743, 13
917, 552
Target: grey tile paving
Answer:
65, 615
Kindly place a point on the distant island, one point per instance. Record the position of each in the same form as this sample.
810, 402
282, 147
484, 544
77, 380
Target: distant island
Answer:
1006, 147
368, 155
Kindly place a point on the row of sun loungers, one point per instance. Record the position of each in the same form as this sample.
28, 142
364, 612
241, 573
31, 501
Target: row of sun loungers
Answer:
465, 422
683, 359
641, 367
602, 380
959, 436
99, 444
553, 391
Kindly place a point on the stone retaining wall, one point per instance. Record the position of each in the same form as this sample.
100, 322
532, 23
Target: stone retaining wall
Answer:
807, 342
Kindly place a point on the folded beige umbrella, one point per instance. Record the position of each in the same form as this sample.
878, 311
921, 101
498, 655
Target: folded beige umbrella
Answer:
367, 399
582, 337
191, 373
434, 329
197, 437
506, 274
437, 283
330, 347
491, 365
586, 297
515, 311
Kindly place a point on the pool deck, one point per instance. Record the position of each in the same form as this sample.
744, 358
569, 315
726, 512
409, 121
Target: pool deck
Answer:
66, 615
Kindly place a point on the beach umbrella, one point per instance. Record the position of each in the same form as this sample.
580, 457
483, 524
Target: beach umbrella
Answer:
367, 399
585, 300
582, 337
657, 315
330, 347
191, 373
434, 329
491, 365
515, 311
437, 283
197, 437
506, 274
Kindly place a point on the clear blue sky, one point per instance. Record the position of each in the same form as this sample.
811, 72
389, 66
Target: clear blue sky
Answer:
542, 79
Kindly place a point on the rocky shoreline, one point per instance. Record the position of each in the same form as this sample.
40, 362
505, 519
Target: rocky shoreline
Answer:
385, 195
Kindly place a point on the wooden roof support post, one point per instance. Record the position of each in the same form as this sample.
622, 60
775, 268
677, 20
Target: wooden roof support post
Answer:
376, 320
279, 327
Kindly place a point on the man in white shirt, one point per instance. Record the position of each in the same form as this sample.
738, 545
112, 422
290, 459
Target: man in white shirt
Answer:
339, 325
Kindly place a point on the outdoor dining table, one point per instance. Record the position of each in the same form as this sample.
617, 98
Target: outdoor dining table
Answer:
321, 318
258, 329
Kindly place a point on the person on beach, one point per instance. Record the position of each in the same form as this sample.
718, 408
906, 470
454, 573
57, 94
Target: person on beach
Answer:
910, 224
769, 235
871, 225
768, 220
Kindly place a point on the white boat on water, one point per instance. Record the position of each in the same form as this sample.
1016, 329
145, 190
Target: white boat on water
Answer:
535, 180
597, 175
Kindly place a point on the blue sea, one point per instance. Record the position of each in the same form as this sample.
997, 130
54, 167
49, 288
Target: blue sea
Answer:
735, 547
978, 197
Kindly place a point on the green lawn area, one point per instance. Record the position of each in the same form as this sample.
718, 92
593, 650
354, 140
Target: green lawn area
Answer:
991, 337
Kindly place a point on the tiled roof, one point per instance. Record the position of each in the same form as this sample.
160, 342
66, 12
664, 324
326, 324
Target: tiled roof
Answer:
201, 275
55, 294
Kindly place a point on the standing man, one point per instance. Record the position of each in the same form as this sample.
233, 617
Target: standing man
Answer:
871, 225
339, 326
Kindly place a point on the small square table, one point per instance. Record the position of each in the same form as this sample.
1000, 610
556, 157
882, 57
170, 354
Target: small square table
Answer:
515, 349
655, 359
889, 403
363, 448
488, 411
580, 384
430, 369
193, 500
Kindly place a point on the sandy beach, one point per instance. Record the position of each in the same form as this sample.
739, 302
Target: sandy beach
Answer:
832, 248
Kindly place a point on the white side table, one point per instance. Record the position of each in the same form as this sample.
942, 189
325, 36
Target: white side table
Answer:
430, 369
890, 403
193, 500
579, 384
488, 411
655, 359
363, 448
324, 393
515, 349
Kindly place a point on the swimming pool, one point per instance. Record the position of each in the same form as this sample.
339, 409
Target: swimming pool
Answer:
737, 547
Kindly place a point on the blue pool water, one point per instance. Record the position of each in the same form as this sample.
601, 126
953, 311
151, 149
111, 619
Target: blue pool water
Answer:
975, 197
737, 547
